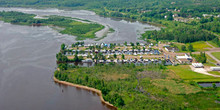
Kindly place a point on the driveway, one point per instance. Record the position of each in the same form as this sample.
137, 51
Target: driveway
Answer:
202, 71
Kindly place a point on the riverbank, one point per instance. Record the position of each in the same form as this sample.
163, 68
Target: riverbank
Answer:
98, 92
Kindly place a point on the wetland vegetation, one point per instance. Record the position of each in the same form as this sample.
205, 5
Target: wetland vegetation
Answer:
154, 86
68, 25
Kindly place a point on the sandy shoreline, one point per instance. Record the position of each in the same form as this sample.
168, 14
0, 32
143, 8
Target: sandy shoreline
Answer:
102, 32
86, 88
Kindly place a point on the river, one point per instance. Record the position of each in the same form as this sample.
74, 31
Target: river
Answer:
27, 62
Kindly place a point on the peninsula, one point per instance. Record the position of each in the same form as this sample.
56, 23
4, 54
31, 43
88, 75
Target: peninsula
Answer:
82, 29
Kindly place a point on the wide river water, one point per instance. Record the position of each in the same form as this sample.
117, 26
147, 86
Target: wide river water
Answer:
27, 62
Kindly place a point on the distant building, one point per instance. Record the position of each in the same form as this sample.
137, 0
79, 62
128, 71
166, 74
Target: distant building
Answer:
207, 15
186, 59
180, 19
197, 65
215, 68
165, 16
171, 49
168, 62
175, 15
142, 44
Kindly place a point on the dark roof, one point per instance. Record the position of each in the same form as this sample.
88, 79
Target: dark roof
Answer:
172, 48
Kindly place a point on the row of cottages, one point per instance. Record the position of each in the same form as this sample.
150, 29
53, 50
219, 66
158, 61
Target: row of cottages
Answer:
117, 52
108, 45
197, 65
171, 49
124, 61
186, 59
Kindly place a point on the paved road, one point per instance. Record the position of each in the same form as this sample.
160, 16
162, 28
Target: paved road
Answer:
210, 44
217, 60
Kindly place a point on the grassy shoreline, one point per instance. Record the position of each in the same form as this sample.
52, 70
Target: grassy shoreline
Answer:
70, 26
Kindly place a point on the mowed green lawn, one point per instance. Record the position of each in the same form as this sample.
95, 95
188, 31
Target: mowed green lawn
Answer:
200, 46
187, 74
216, 55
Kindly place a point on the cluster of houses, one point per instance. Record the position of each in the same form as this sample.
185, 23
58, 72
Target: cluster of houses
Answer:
135, 60
102, 45
117, 52
107, 52
210, 15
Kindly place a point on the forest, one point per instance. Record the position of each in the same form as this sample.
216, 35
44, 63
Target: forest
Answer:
69, 25
135, 9
205, 29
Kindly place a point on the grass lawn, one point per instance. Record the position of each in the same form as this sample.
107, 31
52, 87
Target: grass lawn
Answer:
212, 43
216, 55
200, 46
179, 45
197, 46
214, 72
210, 61
187, 74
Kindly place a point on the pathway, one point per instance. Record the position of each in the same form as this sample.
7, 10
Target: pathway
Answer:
202, 71
210, 44
217, 60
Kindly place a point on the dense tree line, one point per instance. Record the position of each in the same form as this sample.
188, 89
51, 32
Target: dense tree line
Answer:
134, 9
183, 34
201, 57
61, 58
216, 41
212, 26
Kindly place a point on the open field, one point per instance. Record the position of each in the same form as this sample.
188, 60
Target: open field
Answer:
212, 43
187, 74
214, 72
200, 46
197, 46
216, 55
210, 61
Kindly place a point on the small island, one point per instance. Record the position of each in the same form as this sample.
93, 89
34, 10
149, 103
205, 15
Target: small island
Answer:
82, 29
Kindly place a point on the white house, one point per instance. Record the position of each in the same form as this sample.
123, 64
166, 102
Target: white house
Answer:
184, 59
215, 68
197, 65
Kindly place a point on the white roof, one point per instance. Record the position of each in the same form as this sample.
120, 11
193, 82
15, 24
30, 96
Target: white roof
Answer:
197, 64
184, 57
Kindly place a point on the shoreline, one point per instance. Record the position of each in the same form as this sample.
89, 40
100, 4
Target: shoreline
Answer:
94, 11
98, 92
